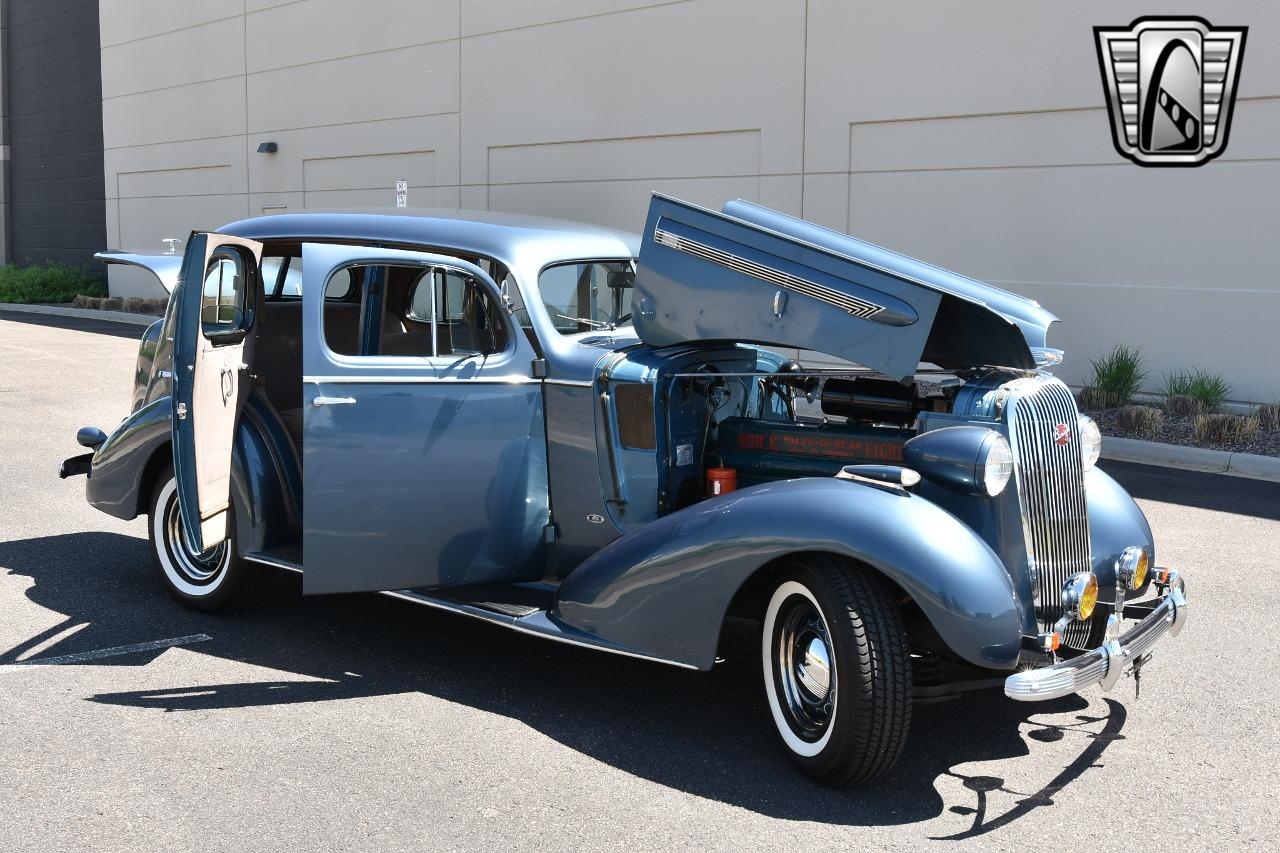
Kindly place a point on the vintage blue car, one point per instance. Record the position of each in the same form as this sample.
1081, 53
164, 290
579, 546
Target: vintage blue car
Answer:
577, 434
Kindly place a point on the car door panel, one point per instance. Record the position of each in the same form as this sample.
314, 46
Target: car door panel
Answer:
418, 471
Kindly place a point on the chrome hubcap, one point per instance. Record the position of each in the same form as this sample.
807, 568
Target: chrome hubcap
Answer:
803, 669
814, 671
198, 567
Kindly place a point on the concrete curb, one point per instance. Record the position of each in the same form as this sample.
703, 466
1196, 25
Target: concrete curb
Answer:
1249, 465
85, 313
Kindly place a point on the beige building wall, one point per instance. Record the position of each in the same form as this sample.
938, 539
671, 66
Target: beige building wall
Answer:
974, 139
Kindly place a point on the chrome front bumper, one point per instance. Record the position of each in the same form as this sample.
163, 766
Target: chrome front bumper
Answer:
1105, 664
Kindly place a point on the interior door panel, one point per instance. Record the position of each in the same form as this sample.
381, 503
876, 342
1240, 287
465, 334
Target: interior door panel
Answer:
218, 297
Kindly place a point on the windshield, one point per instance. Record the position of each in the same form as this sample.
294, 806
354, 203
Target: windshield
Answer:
586, 295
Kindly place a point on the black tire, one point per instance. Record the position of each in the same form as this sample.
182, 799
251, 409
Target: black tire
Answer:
824, 607
211, 583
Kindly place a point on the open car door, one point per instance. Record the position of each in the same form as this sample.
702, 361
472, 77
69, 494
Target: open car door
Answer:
217, 293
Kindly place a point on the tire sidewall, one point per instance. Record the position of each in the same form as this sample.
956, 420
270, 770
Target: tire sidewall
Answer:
795, 745
167, 558
839, 738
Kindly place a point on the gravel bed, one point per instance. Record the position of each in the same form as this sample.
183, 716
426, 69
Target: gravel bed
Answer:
1179, 430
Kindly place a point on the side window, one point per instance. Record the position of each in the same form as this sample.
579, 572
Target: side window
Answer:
342, 308
224, 296
466, 319
339, 286
288, 285
410, 311
271, 265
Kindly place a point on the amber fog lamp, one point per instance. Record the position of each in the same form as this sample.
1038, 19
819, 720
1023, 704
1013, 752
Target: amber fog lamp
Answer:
1080, 595
1131, 568
971, 459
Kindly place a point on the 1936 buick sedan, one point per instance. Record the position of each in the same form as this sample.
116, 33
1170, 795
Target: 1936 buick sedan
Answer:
583, 436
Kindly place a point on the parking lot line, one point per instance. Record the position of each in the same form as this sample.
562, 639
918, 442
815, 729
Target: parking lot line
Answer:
82, 657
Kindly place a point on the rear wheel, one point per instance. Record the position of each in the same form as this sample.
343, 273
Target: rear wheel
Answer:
837, 670
212, 581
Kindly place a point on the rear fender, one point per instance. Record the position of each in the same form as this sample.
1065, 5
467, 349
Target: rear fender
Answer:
663, 590
265, 479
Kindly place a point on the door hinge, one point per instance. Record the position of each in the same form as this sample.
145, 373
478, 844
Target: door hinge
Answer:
539, 368
182, 411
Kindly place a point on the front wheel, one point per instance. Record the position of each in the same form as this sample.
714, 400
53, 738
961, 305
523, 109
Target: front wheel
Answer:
837, 669
211, 582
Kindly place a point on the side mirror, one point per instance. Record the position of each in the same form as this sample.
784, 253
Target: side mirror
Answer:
90, 437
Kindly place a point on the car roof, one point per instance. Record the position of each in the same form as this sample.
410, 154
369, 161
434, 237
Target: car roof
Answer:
518, 240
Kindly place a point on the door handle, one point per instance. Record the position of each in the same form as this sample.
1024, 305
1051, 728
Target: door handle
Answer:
332, 401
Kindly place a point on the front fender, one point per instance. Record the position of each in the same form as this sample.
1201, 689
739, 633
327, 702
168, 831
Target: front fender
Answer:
115, 475
663, 590
1115, 523
265, 479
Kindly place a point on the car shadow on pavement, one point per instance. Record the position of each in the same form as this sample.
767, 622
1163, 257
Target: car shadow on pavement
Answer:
707, 734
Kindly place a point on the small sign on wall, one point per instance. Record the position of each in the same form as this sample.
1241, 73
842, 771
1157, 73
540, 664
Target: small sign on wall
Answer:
402, 193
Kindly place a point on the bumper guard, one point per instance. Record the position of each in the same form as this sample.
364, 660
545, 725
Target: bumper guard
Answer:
1105, 664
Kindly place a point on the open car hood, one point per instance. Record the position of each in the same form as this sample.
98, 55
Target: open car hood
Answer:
752, 274
164, 267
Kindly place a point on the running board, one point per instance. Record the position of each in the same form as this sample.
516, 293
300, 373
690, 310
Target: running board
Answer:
538, 624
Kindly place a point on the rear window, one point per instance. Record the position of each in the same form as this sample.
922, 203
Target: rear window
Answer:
290, 283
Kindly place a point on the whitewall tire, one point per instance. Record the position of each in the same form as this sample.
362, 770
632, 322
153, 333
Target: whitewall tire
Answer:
836, 667
213, 581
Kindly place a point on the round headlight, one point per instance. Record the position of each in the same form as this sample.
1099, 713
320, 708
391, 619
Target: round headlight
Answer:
1090, 441
998, 466
1132, 567
1080, 595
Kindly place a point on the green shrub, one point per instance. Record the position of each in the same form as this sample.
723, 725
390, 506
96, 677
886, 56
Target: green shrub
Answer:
48, 282
1117, 376
1145, 421
1209, 389
1269, 416
1225, 429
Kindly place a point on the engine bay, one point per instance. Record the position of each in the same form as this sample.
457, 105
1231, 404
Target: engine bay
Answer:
742, 417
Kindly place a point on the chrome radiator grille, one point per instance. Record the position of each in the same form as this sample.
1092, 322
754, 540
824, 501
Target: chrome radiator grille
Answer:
1050, 479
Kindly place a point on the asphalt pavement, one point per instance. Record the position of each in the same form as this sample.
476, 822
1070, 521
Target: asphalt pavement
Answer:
360, 722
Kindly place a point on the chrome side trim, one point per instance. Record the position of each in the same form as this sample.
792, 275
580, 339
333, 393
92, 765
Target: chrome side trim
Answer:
535, 624
844, 301
571, 383
357, 379
1105, 664
273, 562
